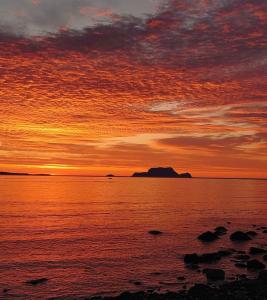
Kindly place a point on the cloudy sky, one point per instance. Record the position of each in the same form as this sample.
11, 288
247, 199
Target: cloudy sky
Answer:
93, 87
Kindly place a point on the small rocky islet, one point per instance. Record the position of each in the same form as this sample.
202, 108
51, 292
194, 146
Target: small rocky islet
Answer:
218, 286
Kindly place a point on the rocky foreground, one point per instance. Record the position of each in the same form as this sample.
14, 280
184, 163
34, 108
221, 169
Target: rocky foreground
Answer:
217, 287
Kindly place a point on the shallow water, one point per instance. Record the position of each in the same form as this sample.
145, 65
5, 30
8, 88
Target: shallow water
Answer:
88, 236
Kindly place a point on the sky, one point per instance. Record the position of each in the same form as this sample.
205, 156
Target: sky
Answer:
118, 86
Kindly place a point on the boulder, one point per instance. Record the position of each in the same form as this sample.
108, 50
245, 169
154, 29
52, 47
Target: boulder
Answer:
37, 281
240, 265
255, 250
191, 258
240, 236
263, 275
208, 236
214, 274
220, 230
255, 264
202, 292
251, 233
265, 257
154, 232
242, 257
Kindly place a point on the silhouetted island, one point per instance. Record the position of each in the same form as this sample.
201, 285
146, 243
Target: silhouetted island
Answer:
110, 175
163, 173
21, 174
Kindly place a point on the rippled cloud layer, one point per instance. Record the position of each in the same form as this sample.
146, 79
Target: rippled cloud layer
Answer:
184, 85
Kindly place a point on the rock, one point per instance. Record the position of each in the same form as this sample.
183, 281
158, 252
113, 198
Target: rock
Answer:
191, 258
240, 236
255, 250
154, 232
181, 278
201, 292
225, 252
37, 281
209, 257
162, 173
240, 265
242, 257
263, 275
251, 233
255, 264
208, 236
220, 230
214, 274
192, 266
265, 257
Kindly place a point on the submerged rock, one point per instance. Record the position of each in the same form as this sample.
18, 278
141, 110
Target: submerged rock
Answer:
220, 230
255, 250
37, 281
240, 236
255, 264
251, 233
263, 275
214, 274
208, 236
155, 232
202, 292
191, 258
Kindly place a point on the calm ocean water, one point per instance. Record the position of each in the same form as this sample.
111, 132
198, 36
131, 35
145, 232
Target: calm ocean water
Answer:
88, 236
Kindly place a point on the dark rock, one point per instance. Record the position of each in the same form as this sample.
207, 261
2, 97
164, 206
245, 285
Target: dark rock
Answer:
214, 274
265, 257
208, 236
241, 252
240, 265
154, 232
37, 281
209, 257
242, 257
202, 292
6, 290
251, 233
263, 275
181, 278
192, 266
220, 230
191, 258
265, 231
137, 283
255, 264
163, 173
226, 252
240, 236
255, 250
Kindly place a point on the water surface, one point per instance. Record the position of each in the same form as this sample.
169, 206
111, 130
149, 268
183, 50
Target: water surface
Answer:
88, 236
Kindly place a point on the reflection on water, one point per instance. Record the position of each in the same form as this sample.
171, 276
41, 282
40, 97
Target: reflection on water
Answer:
89, 235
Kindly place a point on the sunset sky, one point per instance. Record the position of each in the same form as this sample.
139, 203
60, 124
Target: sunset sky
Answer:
117, 86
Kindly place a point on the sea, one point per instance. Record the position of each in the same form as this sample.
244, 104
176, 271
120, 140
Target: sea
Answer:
89, 235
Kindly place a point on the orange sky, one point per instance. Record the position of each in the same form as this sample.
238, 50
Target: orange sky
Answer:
184, 87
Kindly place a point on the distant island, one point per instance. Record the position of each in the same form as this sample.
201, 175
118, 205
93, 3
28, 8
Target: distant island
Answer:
21, 174
163, 173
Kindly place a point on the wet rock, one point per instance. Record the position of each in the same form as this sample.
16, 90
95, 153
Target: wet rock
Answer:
255, 250
6, 291
265, 257
242, 257
208, 236
241, 252
251, 233
37, 281
202, 292
192, 266
214, 274
263, 275
225, 252
220, 230
240, 236
255, 264
209, 257
191, 258
181, 278
241, 265
265, 231
154, 232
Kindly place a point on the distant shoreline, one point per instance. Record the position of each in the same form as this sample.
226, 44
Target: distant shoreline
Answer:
124, 176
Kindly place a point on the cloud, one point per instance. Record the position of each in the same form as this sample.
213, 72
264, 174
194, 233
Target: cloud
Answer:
194, 71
